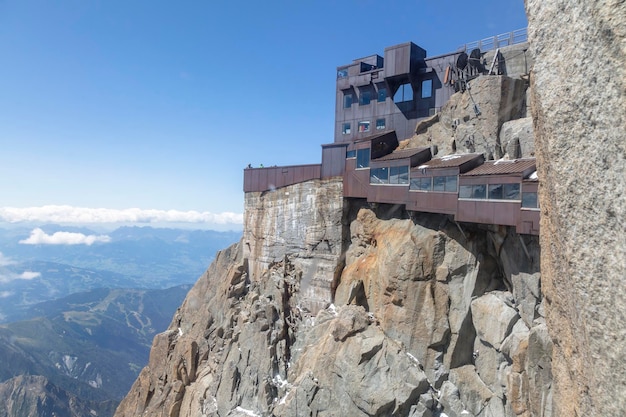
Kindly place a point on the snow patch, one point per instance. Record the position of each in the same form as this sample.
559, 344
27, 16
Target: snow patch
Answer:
247, 412
450, 157
413, 358
180, 332
533, 176
333, 309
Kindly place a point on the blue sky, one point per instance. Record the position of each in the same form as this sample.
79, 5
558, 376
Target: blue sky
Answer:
157, 105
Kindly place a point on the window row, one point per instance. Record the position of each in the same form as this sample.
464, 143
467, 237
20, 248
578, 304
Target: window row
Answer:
440, 183
389, 175
491, 191
365, 97
362, 126
405, 91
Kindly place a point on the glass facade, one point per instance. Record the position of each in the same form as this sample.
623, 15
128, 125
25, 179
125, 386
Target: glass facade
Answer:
422, 184
427, 88
345, 129
364, 126
478, 191
494, 191
379, 175
404, 93
399, 175
363, 158
382, 94
530, 200
350, 154
366, 97
380, 124
347, 100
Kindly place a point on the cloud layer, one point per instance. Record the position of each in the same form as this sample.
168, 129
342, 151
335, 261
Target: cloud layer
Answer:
39, 237
69, 214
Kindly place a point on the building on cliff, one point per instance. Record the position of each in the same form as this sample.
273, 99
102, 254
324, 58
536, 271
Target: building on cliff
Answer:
383, 100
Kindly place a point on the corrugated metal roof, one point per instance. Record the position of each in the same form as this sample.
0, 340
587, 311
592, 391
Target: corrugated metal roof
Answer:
503, 167
401, 154
449, 161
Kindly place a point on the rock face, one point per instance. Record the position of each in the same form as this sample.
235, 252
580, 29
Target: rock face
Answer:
302, 223
578, 89
29, 395
425, 319
473, 121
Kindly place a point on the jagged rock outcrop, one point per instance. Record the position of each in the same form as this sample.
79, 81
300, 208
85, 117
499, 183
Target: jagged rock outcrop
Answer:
578, 88
424, 321
34, 395
473, 121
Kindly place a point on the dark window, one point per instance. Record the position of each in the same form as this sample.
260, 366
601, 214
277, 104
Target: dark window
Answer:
379, 175
350, 154
399, 175
380, 124
529, 200
366, 97
495, 191
427, 88
439, 183
364, 126
382, 94
347, 101
465, 191
421, 184
345, 129
363, 158
511, 191
473, 191
342, 73
404, 93
451, 181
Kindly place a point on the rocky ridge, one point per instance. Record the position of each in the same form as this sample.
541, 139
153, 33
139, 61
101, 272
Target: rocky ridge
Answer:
333, 306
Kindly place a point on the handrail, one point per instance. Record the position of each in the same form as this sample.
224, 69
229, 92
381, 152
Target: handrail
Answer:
497, 41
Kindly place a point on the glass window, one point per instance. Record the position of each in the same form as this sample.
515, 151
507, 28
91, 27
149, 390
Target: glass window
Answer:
529, 200
451, 181
399, 175
421, 184
347, 100
465, 191
350, 154
495, 191
404, 93
342, 73
363, 158
380, 124
511, 191
364, 126
379, 175
366, 97
427, 88
479, 191
345, 130
473, 191
439, 183
382, 94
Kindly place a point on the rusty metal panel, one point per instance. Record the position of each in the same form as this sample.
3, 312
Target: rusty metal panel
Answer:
528, 222
432, 202
393, 194
265, 179
333, 160
356, 183
520, 167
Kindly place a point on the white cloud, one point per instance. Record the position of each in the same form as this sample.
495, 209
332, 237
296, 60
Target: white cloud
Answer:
39, 237
4, 261
77, 215
5, 294
28, 275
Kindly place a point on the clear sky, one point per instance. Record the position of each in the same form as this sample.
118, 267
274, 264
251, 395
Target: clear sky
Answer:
159, 105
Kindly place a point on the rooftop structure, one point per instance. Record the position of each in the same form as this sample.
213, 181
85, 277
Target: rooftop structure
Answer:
379, 101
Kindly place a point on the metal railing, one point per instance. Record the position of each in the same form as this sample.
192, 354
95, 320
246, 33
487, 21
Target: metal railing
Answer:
498, 41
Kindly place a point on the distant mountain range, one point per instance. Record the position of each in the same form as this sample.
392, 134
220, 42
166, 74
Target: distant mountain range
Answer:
135, 257
89, 345
78, 320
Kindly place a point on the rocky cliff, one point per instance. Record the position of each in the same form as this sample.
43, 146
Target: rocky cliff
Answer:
579, 110
356, 310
